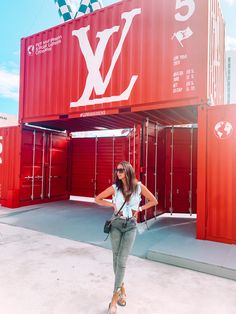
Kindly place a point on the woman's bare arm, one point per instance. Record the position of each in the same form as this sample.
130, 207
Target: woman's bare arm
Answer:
99, 199
152, 201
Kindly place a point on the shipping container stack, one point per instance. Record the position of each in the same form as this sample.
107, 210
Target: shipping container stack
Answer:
149, 68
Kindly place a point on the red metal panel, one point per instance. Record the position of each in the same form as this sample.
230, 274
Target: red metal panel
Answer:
9, 165
105, 164
102, 154
44, 166
31, 165
135, 149
216, 53
221, 174
201, 172
58, 183
147, 58
161, 169
83, 167
148, 175
121, 151
180, 170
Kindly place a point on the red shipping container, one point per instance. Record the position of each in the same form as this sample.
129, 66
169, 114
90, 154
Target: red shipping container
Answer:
131, 56
10, 140
33, 166
216, 197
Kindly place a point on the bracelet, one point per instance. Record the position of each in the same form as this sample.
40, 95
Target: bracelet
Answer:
140, 208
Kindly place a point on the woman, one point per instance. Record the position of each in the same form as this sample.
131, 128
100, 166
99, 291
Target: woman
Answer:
125, 192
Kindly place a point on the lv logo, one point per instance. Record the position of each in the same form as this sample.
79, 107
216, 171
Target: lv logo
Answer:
94, 60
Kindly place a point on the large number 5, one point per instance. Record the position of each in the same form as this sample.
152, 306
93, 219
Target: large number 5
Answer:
184, 3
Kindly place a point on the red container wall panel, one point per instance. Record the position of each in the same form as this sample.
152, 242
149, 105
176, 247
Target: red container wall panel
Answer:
181, 170
161, 169
83, 167
58, 175
149, 151
93, 163
9, 165
146, 57
44, 167
31, 165
221, 174
134, 148
216, 54
121, 151
110, 151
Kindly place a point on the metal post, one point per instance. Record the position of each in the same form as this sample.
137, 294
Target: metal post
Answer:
43, 160
155, 173
1, 149
134, 148
191, 175
129, 146
146, 147
34, 143
146, 163
113, 157
95, 166
171, 170
50, 167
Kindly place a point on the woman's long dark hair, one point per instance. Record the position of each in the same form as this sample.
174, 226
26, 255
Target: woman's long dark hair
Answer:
130, 179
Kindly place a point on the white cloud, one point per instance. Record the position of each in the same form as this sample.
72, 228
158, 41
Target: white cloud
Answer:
9, 84
230, 2
230, 43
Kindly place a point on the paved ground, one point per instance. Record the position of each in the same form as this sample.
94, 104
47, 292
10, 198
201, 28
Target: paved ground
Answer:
170, 239
47, 274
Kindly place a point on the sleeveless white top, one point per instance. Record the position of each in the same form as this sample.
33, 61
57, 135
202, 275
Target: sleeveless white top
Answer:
118, 199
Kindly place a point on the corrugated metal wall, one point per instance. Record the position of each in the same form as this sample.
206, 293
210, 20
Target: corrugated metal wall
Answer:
93, 163
10, 139
221, 174
216, 38
33, 167
148, 62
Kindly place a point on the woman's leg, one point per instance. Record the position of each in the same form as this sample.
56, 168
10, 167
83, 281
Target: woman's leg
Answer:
116, 236
125, 247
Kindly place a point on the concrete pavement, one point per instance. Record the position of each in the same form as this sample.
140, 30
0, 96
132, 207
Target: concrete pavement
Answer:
47, 274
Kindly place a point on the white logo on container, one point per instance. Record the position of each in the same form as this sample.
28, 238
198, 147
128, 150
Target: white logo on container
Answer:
223, 130
30, 50
94, 60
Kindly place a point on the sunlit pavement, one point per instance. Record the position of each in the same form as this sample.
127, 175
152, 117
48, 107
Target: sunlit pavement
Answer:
53, 271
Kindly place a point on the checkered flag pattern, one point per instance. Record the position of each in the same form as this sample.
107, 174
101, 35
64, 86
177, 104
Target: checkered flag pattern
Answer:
88, 6
64, 9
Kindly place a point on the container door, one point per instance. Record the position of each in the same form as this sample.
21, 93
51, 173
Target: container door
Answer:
83, 164
32, 165
10, 139
149, 162
44, 166
181, 170
105, 163
134, 148
56, 174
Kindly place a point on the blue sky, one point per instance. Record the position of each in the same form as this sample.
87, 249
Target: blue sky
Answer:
22, 18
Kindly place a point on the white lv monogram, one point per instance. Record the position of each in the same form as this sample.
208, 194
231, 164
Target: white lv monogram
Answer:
93, 61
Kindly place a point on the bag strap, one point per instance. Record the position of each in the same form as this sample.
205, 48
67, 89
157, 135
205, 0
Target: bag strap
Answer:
120, 208
116, 215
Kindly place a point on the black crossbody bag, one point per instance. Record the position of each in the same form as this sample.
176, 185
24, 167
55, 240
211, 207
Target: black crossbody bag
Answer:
107, 226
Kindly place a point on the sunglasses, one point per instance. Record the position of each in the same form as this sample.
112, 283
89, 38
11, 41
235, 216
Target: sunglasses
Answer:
120, 170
